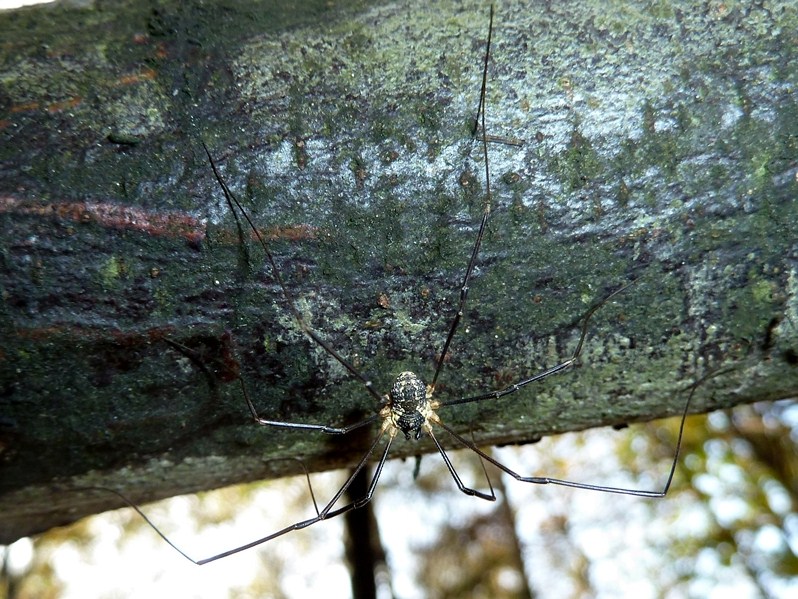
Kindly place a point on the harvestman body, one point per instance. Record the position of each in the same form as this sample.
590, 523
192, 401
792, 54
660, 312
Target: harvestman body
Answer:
409, 407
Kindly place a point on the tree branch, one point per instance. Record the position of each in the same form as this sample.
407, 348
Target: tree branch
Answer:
659, 144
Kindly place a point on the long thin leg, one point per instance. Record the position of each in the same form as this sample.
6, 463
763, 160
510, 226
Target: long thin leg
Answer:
233, 203
467, 490
549, 371
545, 480
486, 213
326, 513
480, 118
333, 430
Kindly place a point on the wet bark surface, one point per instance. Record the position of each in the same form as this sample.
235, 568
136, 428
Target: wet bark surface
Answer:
660, 145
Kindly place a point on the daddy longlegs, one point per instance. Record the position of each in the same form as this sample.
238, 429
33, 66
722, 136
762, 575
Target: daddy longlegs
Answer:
410, 406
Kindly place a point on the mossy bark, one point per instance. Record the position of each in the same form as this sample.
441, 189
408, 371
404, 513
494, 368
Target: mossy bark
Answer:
661, 143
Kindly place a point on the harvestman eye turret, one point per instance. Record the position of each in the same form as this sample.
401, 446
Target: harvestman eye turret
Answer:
409, 407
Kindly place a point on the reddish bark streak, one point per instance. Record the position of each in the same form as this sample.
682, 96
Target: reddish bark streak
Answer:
168, 224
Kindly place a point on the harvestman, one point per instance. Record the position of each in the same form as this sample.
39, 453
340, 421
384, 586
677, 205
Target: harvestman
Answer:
409, 407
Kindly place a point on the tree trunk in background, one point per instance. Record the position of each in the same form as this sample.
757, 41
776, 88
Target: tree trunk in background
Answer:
661, 144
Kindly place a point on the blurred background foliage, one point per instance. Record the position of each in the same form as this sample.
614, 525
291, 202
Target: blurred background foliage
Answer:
728, 527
